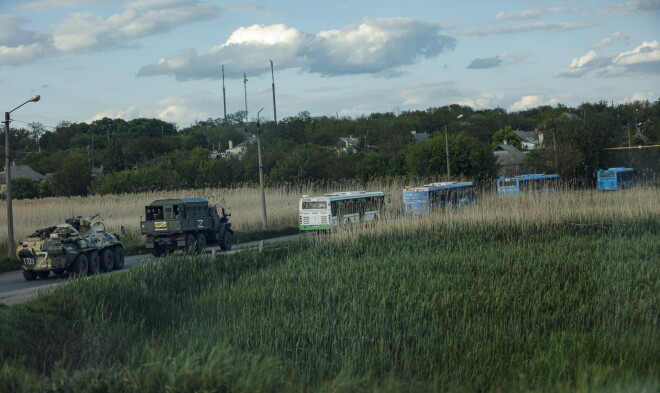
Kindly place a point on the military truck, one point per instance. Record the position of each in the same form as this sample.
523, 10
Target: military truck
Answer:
77, 247
187, 224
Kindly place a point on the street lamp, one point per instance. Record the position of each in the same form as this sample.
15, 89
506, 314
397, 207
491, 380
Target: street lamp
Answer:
264, 219
10, 214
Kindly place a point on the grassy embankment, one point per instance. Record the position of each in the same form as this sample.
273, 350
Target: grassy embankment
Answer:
553, 293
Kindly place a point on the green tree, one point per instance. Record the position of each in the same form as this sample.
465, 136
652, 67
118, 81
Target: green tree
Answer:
506, 134
468, 158
73, 176
25, 188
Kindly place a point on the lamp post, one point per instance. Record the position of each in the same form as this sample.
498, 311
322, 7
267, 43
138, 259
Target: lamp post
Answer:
10, 214
272, 74
264, 219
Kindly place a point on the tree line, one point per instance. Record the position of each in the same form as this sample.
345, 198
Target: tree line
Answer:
150, 154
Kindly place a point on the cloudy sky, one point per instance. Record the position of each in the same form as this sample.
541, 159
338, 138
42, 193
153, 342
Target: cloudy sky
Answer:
163, 58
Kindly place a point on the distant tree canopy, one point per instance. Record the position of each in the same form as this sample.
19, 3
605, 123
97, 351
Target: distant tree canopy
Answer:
150, 154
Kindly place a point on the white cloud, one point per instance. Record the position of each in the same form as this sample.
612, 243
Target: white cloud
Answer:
611, 39
496, 61
631, 7
648, 52
525, 14
374, 46
532, 101
529, 28
641, 96
84, 31
19, 54
45, 5
483, 100
644, 59
126, 114
184, 109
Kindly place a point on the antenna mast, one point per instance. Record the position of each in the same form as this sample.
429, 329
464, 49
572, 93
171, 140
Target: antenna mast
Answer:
245, 92
272, 73
224, 97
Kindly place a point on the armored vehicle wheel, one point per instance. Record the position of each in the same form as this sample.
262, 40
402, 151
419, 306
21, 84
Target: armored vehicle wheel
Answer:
119, 258
44, 274
227, 241
93, 263
79, 266
29, 275
190, 243
59, 272
201, 244
107, 260
158, 250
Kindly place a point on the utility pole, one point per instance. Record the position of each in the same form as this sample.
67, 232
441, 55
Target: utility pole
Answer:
447, 153
272, 73
554, 149
245, 92
92, 156
224, 97
264, 219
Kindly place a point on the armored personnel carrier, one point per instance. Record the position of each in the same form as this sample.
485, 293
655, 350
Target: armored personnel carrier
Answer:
77, 247
187, 224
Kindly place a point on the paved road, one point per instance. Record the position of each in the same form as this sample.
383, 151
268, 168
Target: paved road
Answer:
14, 289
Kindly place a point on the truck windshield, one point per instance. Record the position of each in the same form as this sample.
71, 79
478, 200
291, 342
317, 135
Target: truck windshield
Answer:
154, 213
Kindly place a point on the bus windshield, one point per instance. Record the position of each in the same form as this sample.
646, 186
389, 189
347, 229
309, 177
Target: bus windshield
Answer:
314, 205
508, 183
606, 174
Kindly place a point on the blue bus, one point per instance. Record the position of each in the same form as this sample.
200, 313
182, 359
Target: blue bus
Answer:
532, 183
615, 179
421, 200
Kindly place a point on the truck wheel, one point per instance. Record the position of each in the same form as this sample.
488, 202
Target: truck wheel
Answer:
79, 266
93, 263
227, 241
29, 275
119, 258
190, 244
158, 250
201, 244
44, 274
107, 260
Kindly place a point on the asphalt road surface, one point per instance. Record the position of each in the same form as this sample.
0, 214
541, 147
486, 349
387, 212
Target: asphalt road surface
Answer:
14, 289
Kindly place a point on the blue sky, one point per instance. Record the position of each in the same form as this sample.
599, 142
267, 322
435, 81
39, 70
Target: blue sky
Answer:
162, 58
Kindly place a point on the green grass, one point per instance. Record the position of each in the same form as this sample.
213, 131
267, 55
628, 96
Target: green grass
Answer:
7, 263
476, 307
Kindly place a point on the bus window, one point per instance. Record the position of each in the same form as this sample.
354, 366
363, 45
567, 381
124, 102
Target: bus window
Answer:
314, 205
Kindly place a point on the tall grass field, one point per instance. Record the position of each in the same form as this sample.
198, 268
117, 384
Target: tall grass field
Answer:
545, 293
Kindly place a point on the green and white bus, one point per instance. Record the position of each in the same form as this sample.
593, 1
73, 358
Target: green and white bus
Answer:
331, 210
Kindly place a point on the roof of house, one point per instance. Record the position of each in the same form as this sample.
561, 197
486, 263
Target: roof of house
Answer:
19, 172
508, 155
528, 136
421, 136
